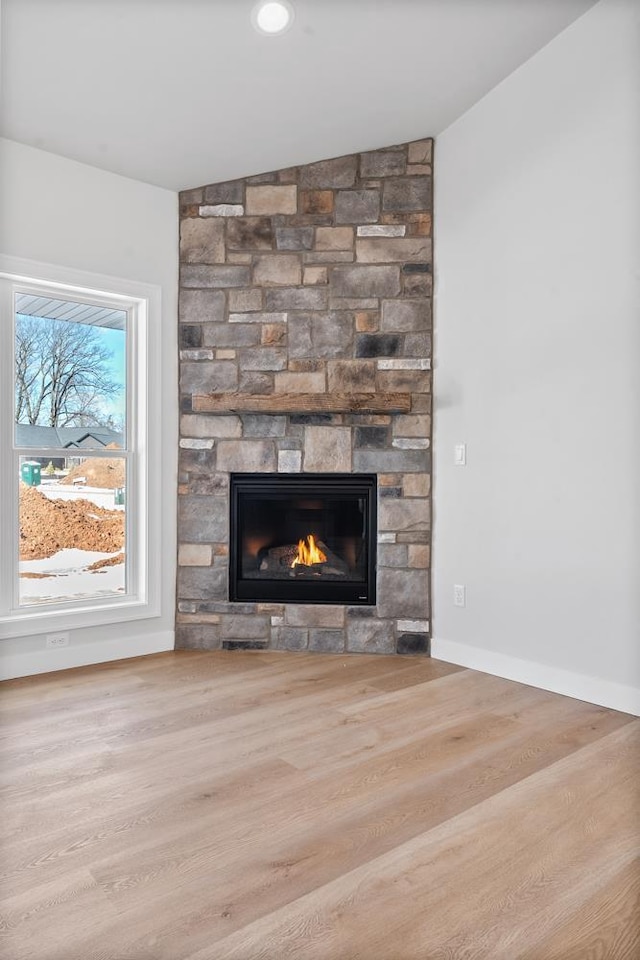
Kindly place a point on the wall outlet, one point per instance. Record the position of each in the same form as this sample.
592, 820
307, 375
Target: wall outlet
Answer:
459, 595
54, 640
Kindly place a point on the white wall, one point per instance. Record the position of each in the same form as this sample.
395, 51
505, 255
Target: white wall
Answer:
537, 347
64, 213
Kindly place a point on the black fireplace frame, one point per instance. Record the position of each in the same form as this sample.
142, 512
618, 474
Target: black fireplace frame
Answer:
304, 591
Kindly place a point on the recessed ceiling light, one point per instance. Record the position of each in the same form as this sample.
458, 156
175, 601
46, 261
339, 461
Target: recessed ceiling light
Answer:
272, 17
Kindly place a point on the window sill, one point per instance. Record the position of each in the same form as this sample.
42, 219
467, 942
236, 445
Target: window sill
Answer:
45, 621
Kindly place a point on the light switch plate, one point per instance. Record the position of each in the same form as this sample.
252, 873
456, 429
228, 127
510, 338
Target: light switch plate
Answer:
460, 454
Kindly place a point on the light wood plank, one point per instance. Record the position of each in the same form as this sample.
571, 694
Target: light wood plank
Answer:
245, 805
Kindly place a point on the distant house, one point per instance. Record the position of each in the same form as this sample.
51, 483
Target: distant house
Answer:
85, 439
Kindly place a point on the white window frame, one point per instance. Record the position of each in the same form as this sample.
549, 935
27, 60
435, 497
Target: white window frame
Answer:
143, 509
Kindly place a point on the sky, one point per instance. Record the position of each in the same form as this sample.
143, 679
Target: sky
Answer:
115, 342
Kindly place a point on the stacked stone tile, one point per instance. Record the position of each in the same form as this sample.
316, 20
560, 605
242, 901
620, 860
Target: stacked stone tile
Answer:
311, 280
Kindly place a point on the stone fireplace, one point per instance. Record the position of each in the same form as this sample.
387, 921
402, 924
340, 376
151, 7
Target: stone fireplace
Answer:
305, 352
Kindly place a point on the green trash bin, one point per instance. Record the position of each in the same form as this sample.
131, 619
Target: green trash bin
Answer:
118, 497
30, 473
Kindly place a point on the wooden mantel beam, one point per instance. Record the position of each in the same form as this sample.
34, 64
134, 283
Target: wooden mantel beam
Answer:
221, 403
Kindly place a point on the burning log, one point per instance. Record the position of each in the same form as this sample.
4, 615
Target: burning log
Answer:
310, 559
279, 557
309, 553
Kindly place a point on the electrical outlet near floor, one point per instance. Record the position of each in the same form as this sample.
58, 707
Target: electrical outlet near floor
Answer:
459, 595
53, 641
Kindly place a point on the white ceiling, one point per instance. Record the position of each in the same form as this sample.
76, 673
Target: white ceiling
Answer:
184, 92
30, 305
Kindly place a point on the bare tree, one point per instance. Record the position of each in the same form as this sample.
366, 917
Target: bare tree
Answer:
63, 374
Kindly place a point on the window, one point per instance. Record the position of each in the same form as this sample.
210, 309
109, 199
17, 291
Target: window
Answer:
74, 481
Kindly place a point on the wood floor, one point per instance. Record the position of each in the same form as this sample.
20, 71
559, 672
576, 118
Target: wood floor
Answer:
236, 806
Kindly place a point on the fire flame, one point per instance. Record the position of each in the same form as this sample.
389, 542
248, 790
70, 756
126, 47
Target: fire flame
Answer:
309, 553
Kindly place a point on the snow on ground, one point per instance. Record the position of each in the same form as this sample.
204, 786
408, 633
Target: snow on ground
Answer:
66, 577
99, 495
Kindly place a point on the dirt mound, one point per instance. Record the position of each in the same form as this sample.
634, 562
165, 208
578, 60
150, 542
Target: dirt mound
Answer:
99, 472
47, 526
107, 562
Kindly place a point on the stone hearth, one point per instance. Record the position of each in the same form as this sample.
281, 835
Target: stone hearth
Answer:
305, 346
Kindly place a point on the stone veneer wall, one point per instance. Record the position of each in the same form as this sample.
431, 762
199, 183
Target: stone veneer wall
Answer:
316, 279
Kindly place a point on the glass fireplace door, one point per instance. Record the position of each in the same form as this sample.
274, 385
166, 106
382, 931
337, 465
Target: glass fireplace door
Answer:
304, 539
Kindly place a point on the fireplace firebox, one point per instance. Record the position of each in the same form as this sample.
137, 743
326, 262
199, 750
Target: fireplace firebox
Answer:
303, 538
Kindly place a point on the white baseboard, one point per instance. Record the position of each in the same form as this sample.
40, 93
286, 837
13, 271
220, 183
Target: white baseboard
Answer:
604, 693
15, 664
